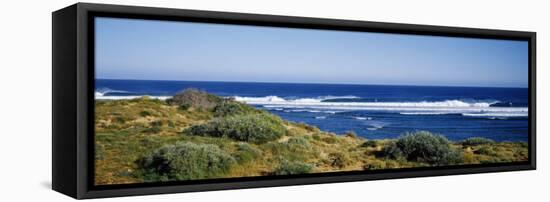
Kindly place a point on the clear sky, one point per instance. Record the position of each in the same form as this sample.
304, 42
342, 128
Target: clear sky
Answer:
164, 50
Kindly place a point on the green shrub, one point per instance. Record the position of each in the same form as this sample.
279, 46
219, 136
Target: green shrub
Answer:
423, 146
392, 151
316, 136
145, 113
256, 128
331, 139
184, 107
486, 150
293, 150
292, 168
369, 143
154, 129
157, 123
231, 108
185, 161
246, 153
171, 124
195, 98
474, 141
308, 127
298, 143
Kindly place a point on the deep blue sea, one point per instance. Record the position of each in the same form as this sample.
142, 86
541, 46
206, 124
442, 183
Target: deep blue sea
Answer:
371, 111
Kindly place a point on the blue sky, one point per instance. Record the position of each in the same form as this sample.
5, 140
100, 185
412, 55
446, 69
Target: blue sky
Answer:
164, 50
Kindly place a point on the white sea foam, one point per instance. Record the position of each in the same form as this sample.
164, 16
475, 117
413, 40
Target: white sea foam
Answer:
277, 99
375, 125
405, 108
104, 91
496, 114
303, 110
425, 113
103, 94
331, 112
330, 97
316, 105
362, 118
116, 97
265, 99
320, 117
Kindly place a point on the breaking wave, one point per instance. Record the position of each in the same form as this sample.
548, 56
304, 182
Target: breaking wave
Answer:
111, 94
474, 108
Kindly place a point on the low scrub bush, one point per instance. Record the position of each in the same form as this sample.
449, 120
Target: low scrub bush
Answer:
331, 139
296, 149
185, 161
246, 153
154, 129
486, 150
158, 123
256, 128
145, 113
298, 143
195, 98
231, 108
423, 146
369, 143
120, 119
474, 141
292, 168
316, 136
184, 107
308, 127
392, 151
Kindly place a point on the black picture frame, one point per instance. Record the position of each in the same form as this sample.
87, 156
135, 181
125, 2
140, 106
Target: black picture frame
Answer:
73, 99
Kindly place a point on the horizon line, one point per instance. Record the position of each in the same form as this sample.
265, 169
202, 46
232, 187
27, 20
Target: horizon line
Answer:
315, 83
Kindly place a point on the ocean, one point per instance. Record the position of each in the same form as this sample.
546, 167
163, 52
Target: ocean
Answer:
371, 111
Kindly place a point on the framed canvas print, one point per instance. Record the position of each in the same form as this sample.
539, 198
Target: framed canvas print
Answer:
154, 100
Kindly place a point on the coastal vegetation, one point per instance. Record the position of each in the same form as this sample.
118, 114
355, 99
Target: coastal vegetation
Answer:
197, 135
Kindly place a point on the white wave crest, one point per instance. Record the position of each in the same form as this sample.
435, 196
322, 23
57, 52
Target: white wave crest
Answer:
405, 108
496, 114
277, 99
114, 97
265, 99
425, 113
101, 94
103, 91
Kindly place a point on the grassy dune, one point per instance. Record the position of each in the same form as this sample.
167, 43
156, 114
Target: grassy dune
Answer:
196, 135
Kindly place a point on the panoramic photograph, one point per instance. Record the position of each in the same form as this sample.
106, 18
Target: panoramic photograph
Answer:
181, 101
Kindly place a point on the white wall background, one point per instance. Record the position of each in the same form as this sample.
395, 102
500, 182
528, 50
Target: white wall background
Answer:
25, 102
